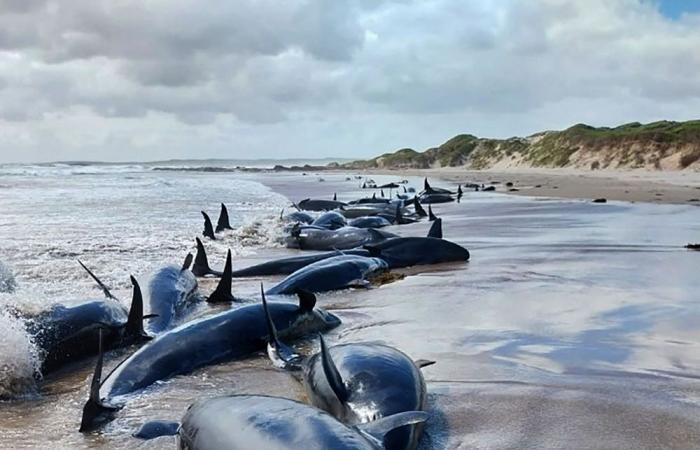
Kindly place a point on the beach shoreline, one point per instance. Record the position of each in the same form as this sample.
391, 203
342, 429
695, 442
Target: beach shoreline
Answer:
661, 187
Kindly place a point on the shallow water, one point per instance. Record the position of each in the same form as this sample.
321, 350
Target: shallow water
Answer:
575, 325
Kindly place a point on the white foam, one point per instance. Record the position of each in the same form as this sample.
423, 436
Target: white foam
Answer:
19, 358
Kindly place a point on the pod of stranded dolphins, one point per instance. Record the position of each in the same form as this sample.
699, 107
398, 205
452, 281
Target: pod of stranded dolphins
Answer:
362, 395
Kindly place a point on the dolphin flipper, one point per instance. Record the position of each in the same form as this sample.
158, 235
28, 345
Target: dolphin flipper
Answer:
281, 355
379, 428
335, 381
95, 412
420, 363
102, 286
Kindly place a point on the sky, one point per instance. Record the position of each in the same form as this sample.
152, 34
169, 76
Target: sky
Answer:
134, 80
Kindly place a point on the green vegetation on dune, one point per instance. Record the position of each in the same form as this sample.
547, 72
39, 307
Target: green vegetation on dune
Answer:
629, 145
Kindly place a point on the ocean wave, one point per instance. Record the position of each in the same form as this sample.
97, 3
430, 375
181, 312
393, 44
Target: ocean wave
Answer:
64, 169
19, 358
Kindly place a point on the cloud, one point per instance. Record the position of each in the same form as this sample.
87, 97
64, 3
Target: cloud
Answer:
403, 73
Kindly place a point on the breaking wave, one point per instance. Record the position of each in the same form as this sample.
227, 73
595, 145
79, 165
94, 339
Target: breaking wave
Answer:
7, 279
19, 358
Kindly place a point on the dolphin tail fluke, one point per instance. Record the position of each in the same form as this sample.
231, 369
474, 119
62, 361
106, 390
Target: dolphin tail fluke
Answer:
379, 428
431, 215
208, 228
157, 428
335, 381
419, 208
281, 355
95, 412
436, 229
134, 324
223, 223
102, 286
201, 262
222, 293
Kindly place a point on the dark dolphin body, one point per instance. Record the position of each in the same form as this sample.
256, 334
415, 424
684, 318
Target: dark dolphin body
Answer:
436, 198
330, 220
369, 222
340, 239
228, 335
285, 266
320, 205
337, 272
252, 422
360, 383
427, 189
171, 291
298, 216
69, 333
412, 251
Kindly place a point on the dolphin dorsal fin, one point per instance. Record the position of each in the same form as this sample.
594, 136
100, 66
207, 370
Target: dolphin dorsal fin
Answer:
382, 191
335, 381
379, 428
223, 223
374, 196
157, 428
431, 215
208, 228
281, 355
102, 286
436, 229
307, 299
187, 262
335, 197
419, 208
201, 262
134, 322
222, 293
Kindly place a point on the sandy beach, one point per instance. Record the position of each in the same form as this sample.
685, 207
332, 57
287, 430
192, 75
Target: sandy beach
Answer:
664, 187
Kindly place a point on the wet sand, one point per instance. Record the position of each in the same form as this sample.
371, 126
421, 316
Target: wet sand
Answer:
574, 326
632, 186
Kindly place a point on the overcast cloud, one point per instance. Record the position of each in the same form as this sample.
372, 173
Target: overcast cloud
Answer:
159, 79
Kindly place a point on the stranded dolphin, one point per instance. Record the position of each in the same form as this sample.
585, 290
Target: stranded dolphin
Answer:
231, 334
171, 290
286, 266
411, 251
68, 333
330, 220
246, 422
337, 272
340, 239
320, 205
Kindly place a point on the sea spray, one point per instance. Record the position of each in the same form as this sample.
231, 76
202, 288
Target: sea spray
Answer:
7, 279
19, 358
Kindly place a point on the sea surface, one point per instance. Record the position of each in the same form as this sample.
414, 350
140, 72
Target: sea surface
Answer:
574, 326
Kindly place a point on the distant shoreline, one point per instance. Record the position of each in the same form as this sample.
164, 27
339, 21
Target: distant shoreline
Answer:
661, 187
